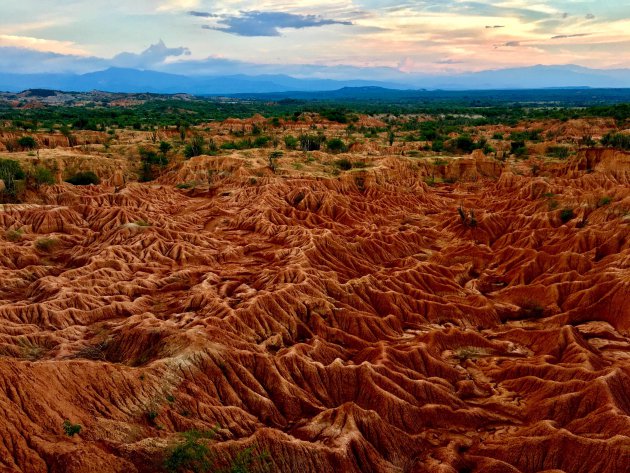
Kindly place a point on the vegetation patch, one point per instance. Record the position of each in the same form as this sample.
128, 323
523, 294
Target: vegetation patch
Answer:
71, 429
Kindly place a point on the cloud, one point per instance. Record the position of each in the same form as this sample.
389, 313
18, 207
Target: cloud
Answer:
202, 14
494, 27
150, 57
449, 61
40, 44
565, 15
20, 60
510, 44
564, 36
259, 23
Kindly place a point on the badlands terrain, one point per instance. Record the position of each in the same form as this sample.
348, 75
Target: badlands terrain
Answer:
371, 306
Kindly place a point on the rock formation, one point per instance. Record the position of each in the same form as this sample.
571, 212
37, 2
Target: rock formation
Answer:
352, 323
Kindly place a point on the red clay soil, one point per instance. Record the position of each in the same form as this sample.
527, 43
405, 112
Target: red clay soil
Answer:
351, 324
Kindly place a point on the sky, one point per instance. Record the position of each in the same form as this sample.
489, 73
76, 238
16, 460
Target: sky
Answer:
316, 38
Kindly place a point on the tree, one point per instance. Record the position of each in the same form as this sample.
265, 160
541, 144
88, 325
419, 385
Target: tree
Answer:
336, 145
165, 147
273, 156
43, 176
291, 142
196, 147
10, 171
86, 178
312, 142
27, 142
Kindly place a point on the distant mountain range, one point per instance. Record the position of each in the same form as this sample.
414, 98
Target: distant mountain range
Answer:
138, 81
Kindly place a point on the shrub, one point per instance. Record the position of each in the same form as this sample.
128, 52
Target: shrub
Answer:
194, 455
343, 164
151, 416
465, 144
529, 135
336, 145
43, 176
71, 429
27, 142
86, 178
566, 215
46, 245
196, 147
518, 148
469, 353
10, 171
191, 454
10, 168
165, 147
437, 146
391, 136
245, 460
312, 142
273, 156
291, 142
151, 157
13, 235
617, 140
559, 152
604, 201
261, 141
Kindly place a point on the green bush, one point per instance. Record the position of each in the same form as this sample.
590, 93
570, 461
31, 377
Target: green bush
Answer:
27, 142
312, 142
165, 147
196, 147
151, 415
273, 156
14, 235
191, 454
10, 168
617, 140
10, 171
245, 460
86, 178
261, 141
43, 176
465, 144
46, 245
343, 164
437, 146
242, 144
336, 145
151, 157
559, 152
71, 429
518, 148
291, 142
604, 201
566, 215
